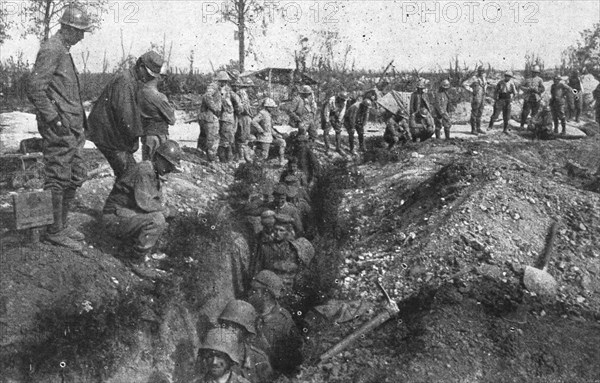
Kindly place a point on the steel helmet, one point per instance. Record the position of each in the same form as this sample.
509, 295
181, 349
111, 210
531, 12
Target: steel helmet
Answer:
421, 84
445, 84
508, 73
223, 340
343, 95
271, 281
269, 103
267, 216
480, 68
557, 77
222, 76
242, 313
305, 89
76, 18
535, 69
170, 151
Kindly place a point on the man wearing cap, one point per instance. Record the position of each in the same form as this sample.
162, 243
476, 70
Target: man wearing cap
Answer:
504, 92
421, 125
442, 110
356, 118
333, 117
157, 115
477, 85
244, 121
262, 126
558, 101
302, 112
218, 355
54, 91
419, 99
576, 96
135, 210
211, 107
396, 129
533, 89
231, 106
240, 317
275, 322
115, 123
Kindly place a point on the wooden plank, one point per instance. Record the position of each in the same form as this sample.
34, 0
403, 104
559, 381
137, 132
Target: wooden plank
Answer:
33, 209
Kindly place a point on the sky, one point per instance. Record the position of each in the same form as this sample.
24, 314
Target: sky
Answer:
423, 35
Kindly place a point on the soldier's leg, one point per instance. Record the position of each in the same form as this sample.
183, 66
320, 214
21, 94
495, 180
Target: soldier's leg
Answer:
438, 128
263, 150
495, 113
598, 111
350, 130
578, 107
535, 108
473, 119
505, 115
478, 117
562, 117
527, 107
78, 177
143, 229
360, 131
202, 136
312, 131
447, 126
280, 143
338, 138
149, 146
554, 117
212, 140
326, 129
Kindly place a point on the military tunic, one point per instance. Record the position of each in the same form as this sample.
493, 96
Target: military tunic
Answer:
157, 115
208, 118
533, 88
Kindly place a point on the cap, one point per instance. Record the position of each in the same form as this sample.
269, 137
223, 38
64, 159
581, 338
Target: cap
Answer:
269, 103
283, 219
343, 95
557, 77
154, 63
421, 84
535, 69
480, 68
445, 84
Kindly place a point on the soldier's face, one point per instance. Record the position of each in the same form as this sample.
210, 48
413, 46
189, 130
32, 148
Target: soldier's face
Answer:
280, 232
72, 35
280, 199
217, 363
257, 296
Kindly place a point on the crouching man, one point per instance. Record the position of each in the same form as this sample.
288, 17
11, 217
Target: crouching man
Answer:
134, 209
218, 354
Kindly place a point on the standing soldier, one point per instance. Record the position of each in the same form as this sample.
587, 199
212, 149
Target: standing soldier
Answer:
54, 91
421, 125
505, 90
442, 110
219, 354
533, 89
419, 99
333, 117
477, 85
596, 95
307, 161
356, 118
157, 115
576, 97
558, 101
115, 121
266, 135
210, 112
302, 112
292, 170
244, 120
230, 108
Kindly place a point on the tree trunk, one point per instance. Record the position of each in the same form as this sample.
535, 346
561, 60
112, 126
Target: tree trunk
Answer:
47, 17
242, 33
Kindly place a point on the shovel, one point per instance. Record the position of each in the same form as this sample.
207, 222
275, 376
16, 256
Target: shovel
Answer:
538, 280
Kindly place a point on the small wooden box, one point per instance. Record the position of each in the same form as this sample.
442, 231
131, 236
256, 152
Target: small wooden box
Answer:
33, 209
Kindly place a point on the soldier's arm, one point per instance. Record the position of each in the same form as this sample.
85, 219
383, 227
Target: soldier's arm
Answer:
326, 112
165, 109
293, 111
236, 101
541, 88
256, 120
212, 98
126, 109
41, 76
147, 197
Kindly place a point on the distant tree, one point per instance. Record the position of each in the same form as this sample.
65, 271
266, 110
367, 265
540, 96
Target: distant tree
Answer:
585, 55
5, 24
43, 15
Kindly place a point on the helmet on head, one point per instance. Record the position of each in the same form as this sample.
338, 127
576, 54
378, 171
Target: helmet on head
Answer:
154, 63
445, 84
557, 77
269, 103
536, 69
170, 151
343, 95
421, 83
423, 112
76, 18
480, 68
305, 89
223, 340
240, 312
222, 76
271, 281
508, 73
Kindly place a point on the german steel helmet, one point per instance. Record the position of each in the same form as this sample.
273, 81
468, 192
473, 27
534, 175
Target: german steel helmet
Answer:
271, 281
242, 313
445, 84
171, 152
223, 340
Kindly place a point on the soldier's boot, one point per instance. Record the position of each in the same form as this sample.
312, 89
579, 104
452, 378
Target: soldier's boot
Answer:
563, 123
478, 123
473, 126
338, 143
326, 142
70, 231
447, 133
351, 143
505, 128
361, 143
577, 115
55, 233
555, 126
438, 134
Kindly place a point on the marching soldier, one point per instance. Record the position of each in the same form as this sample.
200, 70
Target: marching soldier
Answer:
421, 125
54, 91
478, 86
558, 102
533, 89
333, 117
442, 111
505, 91
419, 99
209, 116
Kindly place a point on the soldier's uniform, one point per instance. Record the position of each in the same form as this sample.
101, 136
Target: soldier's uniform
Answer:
596, 95
558, 102
442, 113
396, 131
244, 120
231, 105
333, 117
308, 163
299, 174
255, 365
55, 92
419, 99
421, 126
302, 113
541, 123
355, 120
262, 126
533, 88
210, 112
576, 99
505, 90
135, 209
478, 85
157, 114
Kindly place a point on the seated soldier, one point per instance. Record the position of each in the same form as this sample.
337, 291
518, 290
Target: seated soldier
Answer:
421, 125
396, 129
134, 209
241, 317
275, 323
542, 123
292, 170
218, 354
281, 206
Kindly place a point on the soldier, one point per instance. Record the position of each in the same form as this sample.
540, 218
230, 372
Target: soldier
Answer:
281, 206
275, 322
558, 101
54, 91
477, 85
218, 355
308, 163
157, 115
541, 123
396, 129
333, 117
576, 97
505, 90
303, 207
115, 123
135, 209
442, 110
266, 134
210, 113
421, 125
231, 106
244, 120
533, 89
292, 170
241, 317
302, 112
596, 95
356, 118
419, 99
293, 181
